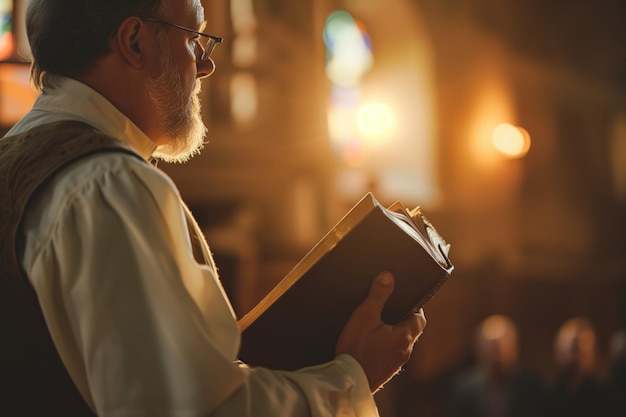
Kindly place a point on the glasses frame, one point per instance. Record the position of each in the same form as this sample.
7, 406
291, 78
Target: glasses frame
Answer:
212, 41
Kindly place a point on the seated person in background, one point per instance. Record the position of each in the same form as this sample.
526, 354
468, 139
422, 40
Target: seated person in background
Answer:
577, 390
496, 386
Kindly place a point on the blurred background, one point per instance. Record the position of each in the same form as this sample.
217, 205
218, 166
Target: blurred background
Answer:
505, 121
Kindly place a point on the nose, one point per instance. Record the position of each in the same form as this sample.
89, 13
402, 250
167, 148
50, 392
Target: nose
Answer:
205, 67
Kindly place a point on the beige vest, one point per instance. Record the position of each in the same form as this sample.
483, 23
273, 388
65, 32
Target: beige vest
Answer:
33, 380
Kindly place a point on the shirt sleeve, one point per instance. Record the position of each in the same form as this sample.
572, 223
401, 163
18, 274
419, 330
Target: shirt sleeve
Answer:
143, 329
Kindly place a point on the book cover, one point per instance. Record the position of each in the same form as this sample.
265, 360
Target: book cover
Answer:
298, 322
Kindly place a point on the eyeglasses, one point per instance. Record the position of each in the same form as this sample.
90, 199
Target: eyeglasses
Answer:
206, 41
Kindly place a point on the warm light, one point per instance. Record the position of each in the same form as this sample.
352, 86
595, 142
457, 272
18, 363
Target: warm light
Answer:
492, 103
343, 134
244, 97
376, 121
17, 94
242, 16
381, 120
341, 126
356, 130
244, 50
512, 141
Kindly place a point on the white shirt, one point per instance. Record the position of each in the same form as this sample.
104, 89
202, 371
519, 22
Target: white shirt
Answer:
143, 329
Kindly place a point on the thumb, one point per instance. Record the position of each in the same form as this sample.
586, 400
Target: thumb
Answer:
381, 289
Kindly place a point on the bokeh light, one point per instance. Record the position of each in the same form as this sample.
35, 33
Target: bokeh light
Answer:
512, 141
349, 52
7, 40
376, 121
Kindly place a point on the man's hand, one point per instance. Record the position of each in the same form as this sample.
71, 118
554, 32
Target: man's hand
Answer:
381, 349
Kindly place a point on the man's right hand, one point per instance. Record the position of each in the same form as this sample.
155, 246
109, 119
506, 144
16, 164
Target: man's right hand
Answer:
381, 349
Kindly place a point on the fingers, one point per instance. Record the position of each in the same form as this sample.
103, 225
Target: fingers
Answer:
380, 348
421, 322
414, 324
380, 290
422, 318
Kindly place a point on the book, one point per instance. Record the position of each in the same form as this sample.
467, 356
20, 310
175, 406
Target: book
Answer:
299, 321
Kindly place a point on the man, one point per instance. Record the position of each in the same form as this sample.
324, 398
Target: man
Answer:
132, 305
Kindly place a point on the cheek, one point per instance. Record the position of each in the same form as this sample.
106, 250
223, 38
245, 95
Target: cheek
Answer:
185, 57
189, 72
185, 78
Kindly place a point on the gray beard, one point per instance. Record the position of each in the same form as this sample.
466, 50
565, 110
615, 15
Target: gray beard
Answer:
179, 114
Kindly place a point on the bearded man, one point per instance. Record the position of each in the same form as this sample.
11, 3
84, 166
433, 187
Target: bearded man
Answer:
110, 301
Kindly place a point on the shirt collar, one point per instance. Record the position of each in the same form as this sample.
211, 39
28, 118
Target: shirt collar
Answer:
71, 99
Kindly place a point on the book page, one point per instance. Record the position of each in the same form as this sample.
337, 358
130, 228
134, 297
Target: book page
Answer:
423, 231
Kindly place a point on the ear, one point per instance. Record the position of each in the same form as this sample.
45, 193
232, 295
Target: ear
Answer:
129, 41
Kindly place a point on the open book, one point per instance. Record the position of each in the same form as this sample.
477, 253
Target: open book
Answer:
298, 322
